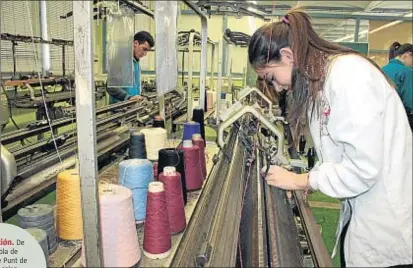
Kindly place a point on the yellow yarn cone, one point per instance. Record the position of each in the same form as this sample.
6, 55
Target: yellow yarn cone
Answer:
69, 208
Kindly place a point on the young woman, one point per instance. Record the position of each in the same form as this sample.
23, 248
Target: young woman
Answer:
360, 131
399, 70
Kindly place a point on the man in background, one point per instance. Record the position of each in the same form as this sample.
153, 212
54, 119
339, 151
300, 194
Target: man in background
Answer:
142, 43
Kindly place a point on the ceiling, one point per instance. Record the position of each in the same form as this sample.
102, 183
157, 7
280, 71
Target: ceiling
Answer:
331, 19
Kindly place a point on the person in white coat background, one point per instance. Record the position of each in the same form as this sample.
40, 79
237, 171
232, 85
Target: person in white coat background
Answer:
360, 131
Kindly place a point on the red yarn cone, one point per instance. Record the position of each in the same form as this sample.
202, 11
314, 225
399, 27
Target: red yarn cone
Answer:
174, 201
157, 235
198, 141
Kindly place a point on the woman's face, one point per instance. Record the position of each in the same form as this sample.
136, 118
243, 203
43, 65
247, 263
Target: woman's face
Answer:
279, 74
407, 59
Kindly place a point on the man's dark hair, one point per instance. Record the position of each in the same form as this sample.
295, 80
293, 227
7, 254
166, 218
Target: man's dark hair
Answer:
143, 36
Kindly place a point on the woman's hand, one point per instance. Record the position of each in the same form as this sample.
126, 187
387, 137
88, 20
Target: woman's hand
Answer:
284, 179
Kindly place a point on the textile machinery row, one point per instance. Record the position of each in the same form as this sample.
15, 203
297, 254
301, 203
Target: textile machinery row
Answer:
30, 166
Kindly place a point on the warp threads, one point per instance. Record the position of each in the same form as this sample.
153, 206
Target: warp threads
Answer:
197, 140
301, 145
174, 201
136, 174
193, 173
40, 216
69, 206
191, 128
158, 122
120, 244
174, 158
41, 237
155, 139
198, 116
137, 146
157, 237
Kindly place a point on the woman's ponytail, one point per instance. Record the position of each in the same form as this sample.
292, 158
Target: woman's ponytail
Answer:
393, 50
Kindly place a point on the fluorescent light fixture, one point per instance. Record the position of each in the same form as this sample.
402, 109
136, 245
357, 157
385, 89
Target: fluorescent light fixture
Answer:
365, 32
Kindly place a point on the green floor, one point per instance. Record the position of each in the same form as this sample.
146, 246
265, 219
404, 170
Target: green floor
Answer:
327, 218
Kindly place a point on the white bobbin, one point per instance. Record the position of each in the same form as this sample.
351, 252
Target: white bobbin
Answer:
187, 144
196, 136
169, 171
155, 187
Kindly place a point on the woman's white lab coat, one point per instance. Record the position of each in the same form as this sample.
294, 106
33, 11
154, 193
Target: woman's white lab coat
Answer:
364, 145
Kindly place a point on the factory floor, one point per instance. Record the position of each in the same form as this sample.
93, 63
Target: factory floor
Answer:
325, 209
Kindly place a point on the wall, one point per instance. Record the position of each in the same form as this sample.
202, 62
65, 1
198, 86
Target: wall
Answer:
379, 42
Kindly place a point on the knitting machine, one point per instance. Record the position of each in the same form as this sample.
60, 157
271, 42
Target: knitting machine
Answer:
239, 219
30, 166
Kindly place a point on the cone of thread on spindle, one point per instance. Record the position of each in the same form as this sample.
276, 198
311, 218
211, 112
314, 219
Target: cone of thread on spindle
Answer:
155, 139
198, 141
198, 116
193, 173
301, 145
41, 237
119, 238
174, 201
158, 122
69, 206
40, 216
137, 146
191, 128
310, 158
157, 235
136, 174
175, 158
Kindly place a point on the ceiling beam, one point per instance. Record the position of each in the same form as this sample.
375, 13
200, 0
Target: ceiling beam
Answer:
324, 16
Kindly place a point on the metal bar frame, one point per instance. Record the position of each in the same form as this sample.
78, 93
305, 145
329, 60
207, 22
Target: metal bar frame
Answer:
357, 30
190, 70
86, 131
219, 81
211, 77
204, 51
43, 30
263, 119
319, 15
229, 66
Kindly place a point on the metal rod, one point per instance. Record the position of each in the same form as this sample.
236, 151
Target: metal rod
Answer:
86, 121
229, 67
219, 82
196, 9
136, 6
64, 60
183, 67
211, 81
45, 36
190, 67
315, 15
204, 51
13, 50
357, 30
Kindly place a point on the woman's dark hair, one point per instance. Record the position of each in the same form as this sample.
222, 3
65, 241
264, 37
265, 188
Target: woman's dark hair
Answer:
396, 49
143, 36
311, 54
